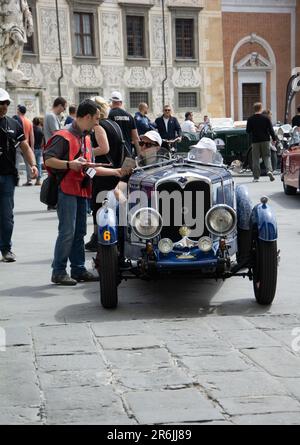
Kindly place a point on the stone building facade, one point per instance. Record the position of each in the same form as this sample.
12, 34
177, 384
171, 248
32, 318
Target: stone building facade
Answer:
99, 54
222, 55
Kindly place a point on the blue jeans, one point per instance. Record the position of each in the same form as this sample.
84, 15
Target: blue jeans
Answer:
7, 191
38, 158
72, 215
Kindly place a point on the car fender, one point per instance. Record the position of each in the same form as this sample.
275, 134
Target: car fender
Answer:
244, 207
264, 221
107, 226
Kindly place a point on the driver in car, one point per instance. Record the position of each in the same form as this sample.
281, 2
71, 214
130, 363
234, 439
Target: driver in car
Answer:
150, 152
150, 148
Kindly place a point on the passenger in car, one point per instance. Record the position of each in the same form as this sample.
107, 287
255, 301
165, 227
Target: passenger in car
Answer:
208, 150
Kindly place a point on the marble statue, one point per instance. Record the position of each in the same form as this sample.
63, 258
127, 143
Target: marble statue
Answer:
16, 25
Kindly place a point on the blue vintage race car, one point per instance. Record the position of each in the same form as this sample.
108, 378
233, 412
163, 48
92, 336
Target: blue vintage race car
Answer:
184, 215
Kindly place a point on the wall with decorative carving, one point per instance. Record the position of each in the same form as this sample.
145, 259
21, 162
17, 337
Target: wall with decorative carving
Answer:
110, 70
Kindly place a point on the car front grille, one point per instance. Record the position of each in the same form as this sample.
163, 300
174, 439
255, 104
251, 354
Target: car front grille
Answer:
189, 202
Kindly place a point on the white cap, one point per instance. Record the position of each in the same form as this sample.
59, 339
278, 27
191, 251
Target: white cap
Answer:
116, 96
207, 143
153, 136
4, 95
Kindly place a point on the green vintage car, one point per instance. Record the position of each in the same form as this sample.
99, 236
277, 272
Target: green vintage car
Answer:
231, 138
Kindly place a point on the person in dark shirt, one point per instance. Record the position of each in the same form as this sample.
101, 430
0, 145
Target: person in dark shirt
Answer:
143, 123
168, 126
11, 136
296, 119
126, 123
259, 127
72, 115
38, 144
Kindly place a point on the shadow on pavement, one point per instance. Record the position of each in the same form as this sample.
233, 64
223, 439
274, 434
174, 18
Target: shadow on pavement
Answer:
160, 300
29, 291
33, 212
285, 201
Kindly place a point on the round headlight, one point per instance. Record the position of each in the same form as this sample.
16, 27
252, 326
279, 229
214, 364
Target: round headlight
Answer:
205, 244
221, 220
165, 245
146, 223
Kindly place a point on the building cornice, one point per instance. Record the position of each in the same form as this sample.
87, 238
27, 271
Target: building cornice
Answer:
76, 3
136, 3
273, 6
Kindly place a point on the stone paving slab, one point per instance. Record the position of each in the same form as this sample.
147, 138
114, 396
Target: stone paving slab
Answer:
241, 384
20, 394
276, 361
259, 405
229, 323
105, 416
276, 321
192, 348
165, 378
17, 337
286, 337
143, 359
218, 363
110, 329
76, 362
88, 398
158, 407
130, 342
19, 415
292, 386
250, 339
73, 379
268, 419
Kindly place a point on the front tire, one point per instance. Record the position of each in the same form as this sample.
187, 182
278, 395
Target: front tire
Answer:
108, 273
265, 265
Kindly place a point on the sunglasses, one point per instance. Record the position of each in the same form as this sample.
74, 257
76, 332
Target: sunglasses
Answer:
4, 102
147, 144
167, 109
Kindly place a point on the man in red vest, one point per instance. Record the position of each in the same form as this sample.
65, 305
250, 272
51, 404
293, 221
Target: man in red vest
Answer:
67, 155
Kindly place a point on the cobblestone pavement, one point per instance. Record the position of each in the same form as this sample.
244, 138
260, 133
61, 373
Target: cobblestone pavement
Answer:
174, 352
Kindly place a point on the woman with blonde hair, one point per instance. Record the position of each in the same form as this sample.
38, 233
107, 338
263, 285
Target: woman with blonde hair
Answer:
108, 148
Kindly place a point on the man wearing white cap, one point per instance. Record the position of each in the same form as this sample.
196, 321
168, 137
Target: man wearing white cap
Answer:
11, 136
125, 121
150, 148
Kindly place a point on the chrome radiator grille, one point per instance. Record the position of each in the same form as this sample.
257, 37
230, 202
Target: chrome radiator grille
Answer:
187, 199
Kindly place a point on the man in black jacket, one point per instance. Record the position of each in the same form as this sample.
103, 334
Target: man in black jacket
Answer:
261, 131
168, 126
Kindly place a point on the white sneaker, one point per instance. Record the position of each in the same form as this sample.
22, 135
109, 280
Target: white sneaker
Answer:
255, 180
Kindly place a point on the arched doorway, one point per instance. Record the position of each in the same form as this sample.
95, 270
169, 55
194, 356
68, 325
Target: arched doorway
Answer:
252, 77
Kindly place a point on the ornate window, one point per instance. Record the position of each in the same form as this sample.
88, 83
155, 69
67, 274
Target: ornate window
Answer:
84, 34
135, 36
135, 17
185, 38
87, 95
137, 97
185, 34
187, 100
